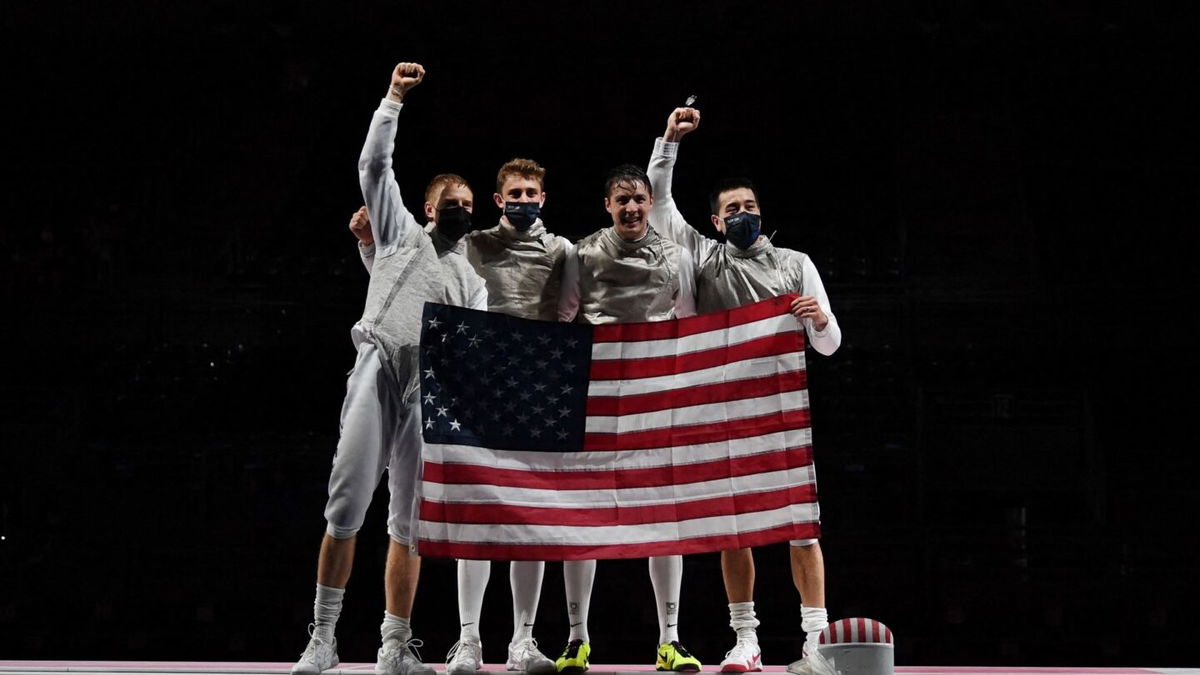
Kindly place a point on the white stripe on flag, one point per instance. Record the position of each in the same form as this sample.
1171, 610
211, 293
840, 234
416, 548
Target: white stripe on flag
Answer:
618, 497
528, 460
694, 343
761, 366
725, 411
615, 534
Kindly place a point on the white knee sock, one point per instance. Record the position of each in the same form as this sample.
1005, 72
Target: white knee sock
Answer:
813, 620
473, 578
743, 621
526, 580
395, 628
326, 610
577, 577
666, 575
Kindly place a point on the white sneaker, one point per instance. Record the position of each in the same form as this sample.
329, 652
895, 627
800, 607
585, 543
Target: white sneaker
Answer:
524, 655
813, 663
401, 658
318, 655
745, 657
465, 657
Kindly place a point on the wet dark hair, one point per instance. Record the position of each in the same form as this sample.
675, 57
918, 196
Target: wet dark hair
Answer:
626, 173
725, 185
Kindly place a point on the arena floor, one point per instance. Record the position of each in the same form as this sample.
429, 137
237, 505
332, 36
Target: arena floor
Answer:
266, 668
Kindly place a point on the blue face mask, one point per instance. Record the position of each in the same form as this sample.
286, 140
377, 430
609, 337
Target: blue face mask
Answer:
742, 229
522, 215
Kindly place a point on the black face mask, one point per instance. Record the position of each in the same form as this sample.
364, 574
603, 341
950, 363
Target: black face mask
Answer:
742, 229
453, 222
522, 215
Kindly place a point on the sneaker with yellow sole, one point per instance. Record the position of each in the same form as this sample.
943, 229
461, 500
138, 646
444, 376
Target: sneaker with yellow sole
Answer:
574, 659
675, 657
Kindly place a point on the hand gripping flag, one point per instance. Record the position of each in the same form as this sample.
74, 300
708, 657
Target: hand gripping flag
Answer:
556, 441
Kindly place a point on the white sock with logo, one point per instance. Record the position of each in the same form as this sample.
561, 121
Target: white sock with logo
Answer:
578, 576
473, 578
525, 577
666, 575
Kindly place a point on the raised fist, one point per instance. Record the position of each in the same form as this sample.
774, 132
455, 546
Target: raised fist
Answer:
404, 77
361, 226
681, 122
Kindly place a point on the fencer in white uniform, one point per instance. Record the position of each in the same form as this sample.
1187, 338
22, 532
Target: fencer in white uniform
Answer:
525, 268
628, 273
746, 268
380, 422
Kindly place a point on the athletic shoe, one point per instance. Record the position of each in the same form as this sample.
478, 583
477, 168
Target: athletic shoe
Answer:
801, 666
401, 658
676, 657
574, 658
524, 655
318, 655
465, 657
745, 657
813, 663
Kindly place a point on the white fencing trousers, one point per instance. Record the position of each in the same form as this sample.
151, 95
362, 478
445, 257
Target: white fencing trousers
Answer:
378, 431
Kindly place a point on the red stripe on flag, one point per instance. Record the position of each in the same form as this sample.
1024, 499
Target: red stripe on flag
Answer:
716, 392
699, 433
693, 325
659, 476
504, 514
471, 551
627, 369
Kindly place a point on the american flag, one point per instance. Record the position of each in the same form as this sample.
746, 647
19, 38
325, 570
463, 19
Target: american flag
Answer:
556, 441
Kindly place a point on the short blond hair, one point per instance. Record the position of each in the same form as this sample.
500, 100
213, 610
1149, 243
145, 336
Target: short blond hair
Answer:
525, 168
441, 182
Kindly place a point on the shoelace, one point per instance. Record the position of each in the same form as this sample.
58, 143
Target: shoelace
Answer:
459, 646
739, 646
314, 643
526, 645
411, 647
679, 649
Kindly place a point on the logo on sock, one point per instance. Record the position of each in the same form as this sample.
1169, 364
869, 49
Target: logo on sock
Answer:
672, 608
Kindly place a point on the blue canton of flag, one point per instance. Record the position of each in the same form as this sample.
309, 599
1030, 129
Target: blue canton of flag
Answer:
498, 381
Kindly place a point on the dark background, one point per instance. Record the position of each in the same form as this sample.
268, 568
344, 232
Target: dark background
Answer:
1000, 198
